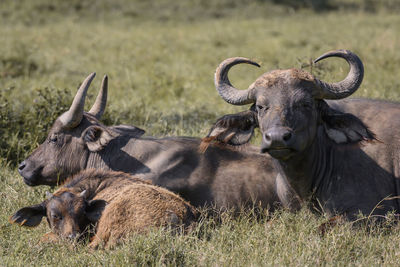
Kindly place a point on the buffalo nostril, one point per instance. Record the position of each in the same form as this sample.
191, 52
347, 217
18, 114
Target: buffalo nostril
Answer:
21, 166
267, 137
287, 136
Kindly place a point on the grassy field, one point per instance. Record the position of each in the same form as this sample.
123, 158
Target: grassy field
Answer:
160, 58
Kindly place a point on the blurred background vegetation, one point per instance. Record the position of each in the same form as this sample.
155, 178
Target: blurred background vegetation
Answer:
160, 57
46, 11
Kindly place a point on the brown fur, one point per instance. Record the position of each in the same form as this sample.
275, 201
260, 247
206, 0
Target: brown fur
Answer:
205, 143
222, 144
132, 205
99, 182
138, 208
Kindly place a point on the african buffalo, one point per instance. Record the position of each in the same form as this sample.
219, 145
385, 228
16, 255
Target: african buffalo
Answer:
117, 203
326, 153
222, 176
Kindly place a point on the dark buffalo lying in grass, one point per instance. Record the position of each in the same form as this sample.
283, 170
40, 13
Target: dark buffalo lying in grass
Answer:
326, 152
223, 177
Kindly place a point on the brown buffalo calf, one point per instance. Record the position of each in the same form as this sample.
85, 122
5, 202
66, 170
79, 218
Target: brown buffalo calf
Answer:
117, 204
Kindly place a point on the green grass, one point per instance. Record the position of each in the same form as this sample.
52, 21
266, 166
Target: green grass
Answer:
160, 58
283, 238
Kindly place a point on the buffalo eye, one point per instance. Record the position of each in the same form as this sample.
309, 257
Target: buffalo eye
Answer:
261, 108
53, 138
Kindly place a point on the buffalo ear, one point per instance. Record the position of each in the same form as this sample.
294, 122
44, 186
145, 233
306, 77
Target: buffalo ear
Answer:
94, 209
97, 137
344, 128
233, 129
29, 216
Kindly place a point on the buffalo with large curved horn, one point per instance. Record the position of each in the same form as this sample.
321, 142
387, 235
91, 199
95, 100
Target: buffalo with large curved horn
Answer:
321, 90
315, 144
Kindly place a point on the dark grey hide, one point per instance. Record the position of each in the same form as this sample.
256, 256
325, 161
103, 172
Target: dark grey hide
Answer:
223, 176
326, 152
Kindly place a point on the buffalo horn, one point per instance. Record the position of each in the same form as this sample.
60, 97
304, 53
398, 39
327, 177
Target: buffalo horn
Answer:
73, 116
343, 88
99, 105
225, 89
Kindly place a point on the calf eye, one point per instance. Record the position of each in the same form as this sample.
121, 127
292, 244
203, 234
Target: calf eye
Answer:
56, 217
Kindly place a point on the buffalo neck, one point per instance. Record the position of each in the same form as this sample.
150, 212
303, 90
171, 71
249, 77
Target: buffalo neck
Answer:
306, 170
95, 160
142, 156
121, 154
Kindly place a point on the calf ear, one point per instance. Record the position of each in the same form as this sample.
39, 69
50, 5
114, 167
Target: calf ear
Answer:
233, 129
344, 128
97, 137
94, 209
29, 216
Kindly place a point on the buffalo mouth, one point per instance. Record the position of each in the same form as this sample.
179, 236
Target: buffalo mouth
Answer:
30, 182
79, 236
35, 178
279, 152
31, 178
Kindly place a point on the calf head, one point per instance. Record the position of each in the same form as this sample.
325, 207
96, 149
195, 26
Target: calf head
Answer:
73, 136
68, 213
290, 106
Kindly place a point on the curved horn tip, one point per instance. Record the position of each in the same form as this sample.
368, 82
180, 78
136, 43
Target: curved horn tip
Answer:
252, 62
338, 53
238, 60
91, 75
255, 64
88, 80
104, 82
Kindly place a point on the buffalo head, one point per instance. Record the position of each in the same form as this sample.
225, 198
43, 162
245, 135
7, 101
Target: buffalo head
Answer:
73, 136
68, 213
290, 106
